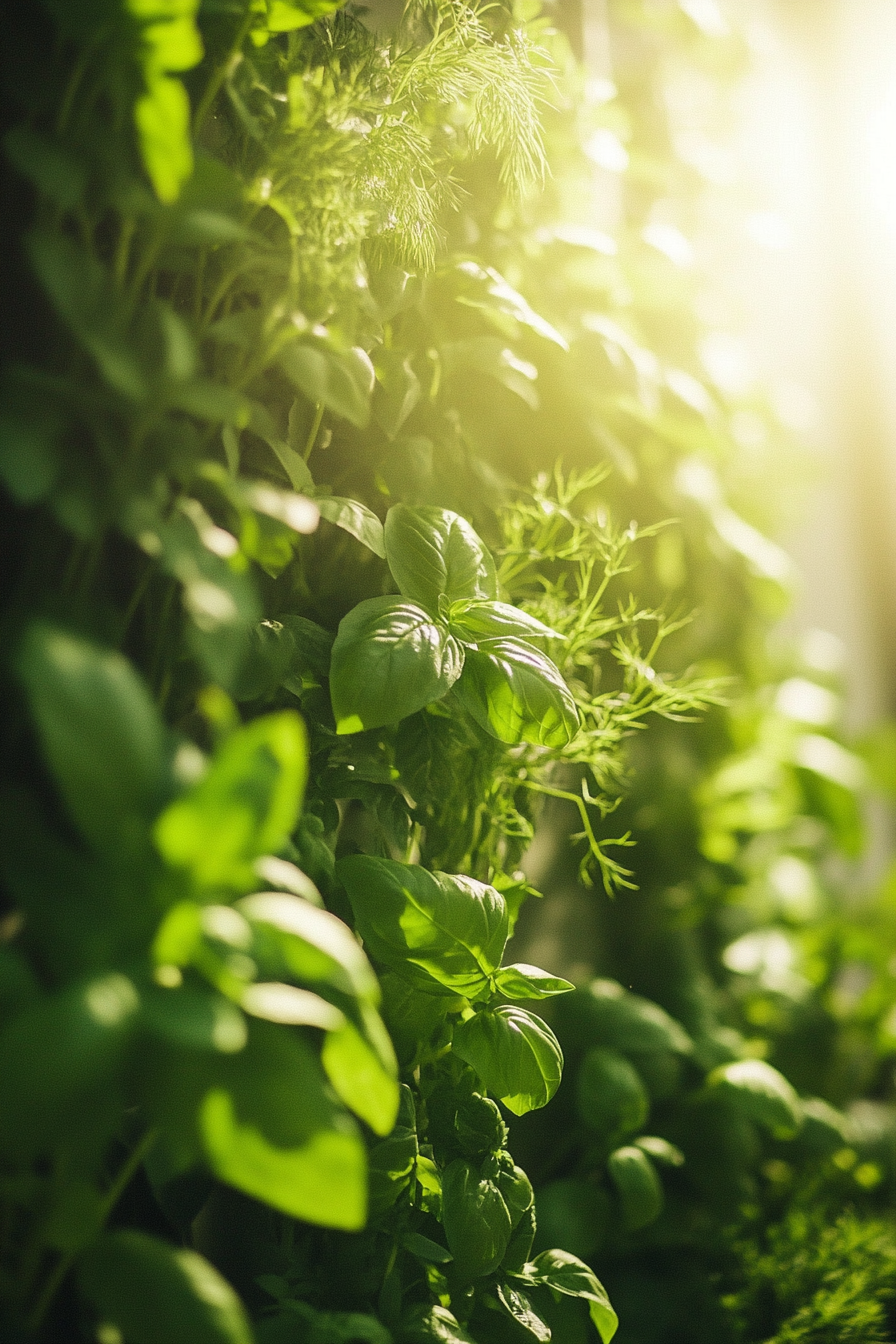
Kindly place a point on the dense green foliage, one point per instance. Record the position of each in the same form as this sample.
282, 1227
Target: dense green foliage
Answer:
323, 583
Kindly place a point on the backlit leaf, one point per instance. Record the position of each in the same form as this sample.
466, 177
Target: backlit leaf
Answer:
516, 1055
433, 552
517, 694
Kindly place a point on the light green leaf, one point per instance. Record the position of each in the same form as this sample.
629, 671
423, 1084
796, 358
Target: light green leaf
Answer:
433, 552
277, 1002
434, 928
565, 1273
389, 660
490, 292
284, 16
759, 1093
244, 806
521, 981
516, 1055
162, 118
271, 1130
364, 1071
637, 1184
397, 390
312, 944
152, 1291
356, 519
100, 734
471, 622
342, 381
517, 694
475, 1218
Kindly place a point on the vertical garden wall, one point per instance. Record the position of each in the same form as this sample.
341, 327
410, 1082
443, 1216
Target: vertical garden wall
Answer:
366, 508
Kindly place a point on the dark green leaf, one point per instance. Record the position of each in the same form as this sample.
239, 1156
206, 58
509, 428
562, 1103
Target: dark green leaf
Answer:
564, 1273
271, 1130
610, 1096
638, 1185
517, 694
521, 981
341, 381
244, 806
30, 433
56, 1053
429, 926
389, 660
516, 1055
424, 1249
607, 1014
100, 733
56, 171
152, 1291
434, 552
392, 1161
759, 1093
193, 1017
432, 1325
356, 519
517, 1304
476, 1220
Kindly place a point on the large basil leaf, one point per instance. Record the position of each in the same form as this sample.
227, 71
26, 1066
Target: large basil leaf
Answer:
435, 928
475, 621
243, 807
433, 552
516, 1055
153, 1291
340, 380
476, 1219
100, 734
517, 694
759, 1093
271, 1129
389, 660
565, 1273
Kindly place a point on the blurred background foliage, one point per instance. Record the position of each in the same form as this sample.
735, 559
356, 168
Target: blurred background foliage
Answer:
272, 270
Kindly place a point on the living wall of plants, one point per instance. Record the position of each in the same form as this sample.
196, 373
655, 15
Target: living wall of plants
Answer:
366, 512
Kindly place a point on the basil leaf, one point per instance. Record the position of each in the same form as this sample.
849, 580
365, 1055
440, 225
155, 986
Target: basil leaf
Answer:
521, 981
271, 1129
472, 621
610, 1096
519, 1307
475, 1218
607, 1014
151, 1291
759, 1093
516, 1055
397, 391
389, 660
343, 382
308, 943
433, 552
363, 1070
392, 1161
243, 807
434, 928
567, 1274
517, 694
638, 1186
354, 518
432, 1325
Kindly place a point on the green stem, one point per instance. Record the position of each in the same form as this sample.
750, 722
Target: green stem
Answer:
312, 435
219, 74
126, 1173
